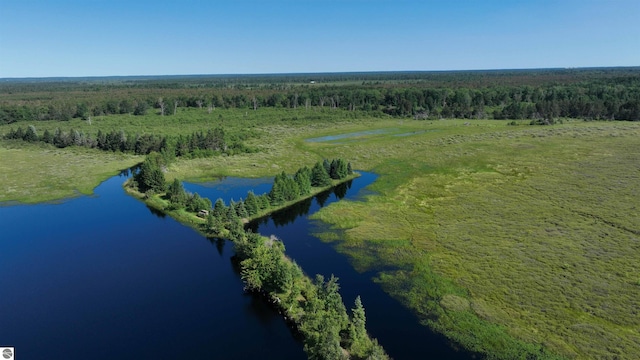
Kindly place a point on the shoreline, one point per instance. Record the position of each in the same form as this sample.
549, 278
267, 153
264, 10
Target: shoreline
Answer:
292, 300
192, 220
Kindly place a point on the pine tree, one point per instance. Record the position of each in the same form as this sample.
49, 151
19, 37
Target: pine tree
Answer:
176, 193
339, 169
320, 176
241, 210
343, 169
263, 201
251, 204
324, 318
150, 176
232, 215
214, 224
47, 137
30, 135
290, 188
276, 195
360, 343
303, 179
327, 165
219, 209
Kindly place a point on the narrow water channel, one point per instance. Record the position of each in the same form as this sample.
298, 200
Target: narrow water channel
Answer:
102, 273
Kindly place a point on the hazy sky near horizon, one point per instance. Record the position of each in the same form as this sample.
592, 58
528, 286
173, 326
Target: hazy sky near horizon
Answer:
128, 37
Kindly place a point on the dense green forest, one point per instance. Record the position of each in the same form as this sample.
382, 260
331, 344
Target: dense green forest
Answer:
607, 93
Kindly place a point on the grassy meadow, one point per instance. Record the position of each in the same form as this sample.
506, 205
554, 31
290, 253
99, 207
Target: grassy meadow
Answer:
32, 173
511, 240
505, 238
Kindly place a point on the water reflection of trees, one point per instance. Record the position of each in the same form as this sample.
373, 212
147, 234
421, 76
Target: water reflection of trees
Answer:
129, 171
290, 214
218, 243
156, 212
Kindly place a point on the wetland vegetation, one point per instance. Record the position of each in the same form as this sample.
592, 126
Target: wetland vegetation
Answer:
514, 240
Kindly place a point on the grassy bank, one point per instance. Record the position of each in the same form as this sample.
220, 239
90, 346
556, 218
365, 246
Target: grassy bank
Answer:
32, 173
506, 238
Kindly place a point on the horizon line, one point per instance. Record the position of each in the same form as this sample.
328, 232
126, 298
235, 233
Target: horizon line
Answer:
312, 73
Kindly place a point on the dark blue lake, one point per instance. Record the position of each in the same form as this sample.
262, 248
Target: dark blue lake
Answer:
103, 274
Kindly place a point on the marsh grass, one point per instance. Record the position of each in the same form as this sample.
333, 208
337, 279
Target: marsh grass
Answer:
31, 173
535, 228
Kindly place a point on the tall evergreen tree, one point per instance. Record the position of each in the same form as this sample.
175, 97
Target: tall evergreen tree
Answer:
219, 209
176, 193
150, 176
320, 176
263, 201
338, 169
327, 165
276, 195
303, 179
251, 204
360, 343
241, 210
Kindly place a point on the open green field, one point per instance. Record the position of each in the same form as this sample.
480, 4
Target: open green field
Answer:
505, 238
502, 236
35, 173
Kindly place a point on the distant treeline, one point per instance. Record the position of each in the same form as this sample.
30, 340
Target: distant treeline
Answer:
198, 144
612, 94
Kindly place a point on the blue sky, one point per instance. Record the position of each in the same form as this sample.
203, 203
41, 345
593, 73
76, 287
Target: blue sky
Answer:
115, 37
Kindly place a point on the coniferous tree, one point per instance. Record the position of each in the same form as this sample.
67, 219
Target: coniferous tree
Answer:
176, 193
303, 179
263, 201
219, 209
290, 188
360, 342
320, 176
276, 195
47, 137
150, 176
338, 169
324, 318
232, 215
327, 165
214, 223
342, 168
241, 210
251, 204
30, 135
